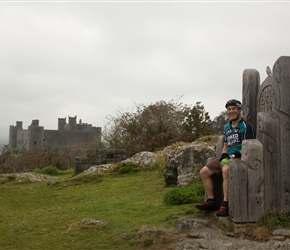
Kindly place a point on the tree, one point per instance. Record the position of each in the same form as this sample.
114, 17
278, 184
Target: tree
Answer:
197, 122
156, 126
219, 123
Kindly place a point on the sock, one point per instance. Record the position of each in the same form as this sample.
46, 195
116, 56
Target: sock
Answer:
225, 203
211, 201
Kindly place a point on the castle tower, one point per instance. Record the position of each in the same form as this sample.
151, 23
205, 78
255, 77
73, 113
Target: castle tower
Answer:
35, 135
61, 123
72, 122
13, 133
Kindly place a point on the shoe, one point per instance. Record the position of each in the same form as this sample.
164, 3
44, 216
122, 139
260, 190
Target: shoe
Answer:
223, 212
206, 206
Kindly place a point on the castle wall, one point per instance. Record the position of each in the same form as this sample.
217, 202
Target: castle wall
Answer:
68, 136
22, 139
69, 139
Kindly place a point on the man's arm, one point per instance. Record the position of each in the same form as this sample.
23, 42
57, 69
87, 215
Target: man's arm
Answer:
224, 152
225, 148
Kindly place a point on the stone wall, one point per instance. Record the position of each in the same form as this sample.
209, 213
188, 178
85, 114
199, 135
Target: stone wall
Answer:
98, 157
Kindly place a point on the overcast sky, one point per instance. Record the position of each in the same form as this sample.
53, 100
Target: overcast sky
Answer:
94, 58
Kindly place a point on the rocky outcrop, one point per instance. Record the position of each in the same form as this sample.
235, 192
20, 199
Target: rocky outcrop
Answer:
92, 223
99, 169
182, 164
212, 233
27, 178
144, 159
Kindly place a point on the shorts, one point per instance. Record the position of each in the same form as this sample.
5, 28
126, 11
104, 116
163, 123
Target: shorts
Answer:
215, 166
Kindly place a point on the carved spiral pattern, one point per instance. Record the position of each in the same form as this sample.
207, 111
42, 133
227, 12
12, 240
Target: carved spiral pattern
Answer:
255, 165
266, 99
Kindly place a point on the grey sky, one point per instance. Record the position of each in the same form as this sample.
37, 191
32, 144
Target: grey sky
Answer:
91, 59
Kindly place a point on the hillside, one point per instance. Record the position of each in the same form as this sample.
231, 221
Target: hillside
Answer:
126, 210
47, 215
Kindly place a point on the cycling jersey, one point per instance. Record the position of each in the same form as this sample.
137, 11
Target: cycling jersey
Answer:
234, 136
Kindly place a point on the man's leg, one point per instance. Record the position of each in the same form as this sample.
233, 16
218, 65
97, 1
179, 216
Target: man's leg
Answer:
224, 207
225, 172
205, 175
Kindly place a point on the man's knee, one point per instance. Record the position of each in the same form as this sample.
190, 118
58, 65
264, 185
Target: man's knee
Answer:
205, 172
225, 170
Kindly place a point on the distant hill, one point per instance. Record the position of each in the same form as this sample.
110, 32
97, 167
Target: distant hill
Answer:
2, 143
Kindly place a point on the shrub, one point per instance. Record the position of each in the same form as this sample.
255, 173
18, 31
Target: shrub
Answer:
273, 220
81, 179
50, 170
156, 126
192, 193
35, 158
147, 242
126, 168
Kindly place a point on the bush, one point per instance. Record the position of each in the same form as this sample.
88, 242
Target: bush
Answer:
36, 159
50, 170
193, 193
274, 220
82, 179
126, 168
156, 126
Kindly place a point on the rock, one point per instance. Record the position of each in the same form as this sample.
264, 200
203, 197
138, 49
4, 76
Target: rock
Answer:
27, 177
206, 231
89, 222
209, 235
144, 159
188, 223
99, 169
181, 164
281, 232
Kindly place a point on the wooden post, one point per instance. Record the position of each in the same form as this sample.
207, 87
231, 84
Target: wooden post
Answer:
252, 155
238, 190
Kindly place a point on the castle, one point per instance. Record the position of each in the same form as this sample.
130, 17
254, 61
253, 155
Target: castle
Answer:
67, 136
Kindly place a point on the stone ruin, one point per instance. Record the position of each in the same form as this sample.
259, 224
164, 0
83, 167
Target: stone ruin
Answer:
81, 140
67, 136
259, 183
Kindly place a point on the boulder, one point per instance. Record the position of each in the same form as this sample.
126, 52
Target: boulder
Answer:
27, 178
92, 223
99, 169
144, 159
182, 164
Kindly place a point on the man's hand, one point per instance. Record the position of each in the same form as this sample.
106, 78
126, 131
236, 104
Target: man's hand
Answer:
224, 156
236, 155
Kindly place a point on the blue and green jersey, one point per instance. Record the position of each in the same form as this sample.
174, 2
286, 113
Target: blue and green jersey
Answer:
234, 136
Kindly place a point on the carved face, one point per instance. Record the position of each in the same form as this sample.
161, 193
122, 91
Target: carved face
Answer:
233, 112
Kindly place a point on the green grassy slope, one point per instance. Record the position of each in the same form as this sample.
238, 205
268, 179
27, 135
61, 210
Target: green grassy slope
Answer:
42, 216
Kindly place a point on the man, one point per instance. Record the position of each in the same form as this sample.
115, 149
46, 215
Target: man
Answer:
235, 132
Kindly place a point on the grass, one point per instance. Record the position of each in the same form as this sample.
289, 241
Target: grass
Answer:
42, 216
